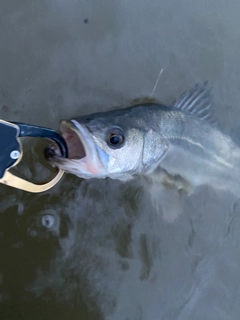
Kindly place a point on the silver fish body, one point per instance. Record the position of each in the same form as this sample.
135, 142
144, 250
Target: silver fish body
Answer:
181, 140
199, 152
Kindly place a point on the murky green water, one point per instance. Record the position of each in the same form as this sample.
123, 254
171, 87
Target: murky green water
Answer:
100, 249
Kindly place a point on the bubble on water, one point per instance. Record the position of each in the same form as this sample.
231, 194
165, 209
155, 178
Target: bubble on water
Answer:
48, 221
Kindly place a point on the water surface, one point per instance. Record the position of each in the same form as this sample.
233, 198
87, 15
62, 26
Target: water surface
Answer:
100, 249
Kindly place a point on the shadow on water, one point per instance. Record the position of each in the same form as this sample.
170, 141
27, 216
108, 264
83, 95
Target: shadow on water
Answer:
50, 242
97, 242
30, 235
101, 249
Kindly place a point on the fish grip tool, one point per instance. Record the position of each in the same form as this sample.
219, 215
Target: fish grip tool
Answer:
11, 153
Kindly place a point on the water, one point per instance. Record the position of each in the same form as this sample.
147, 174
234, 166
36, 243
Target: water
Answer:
100, 249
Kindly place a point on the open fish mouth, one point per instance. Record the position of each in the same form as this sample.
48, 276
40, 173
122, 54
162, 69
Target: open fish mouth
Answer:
83, 153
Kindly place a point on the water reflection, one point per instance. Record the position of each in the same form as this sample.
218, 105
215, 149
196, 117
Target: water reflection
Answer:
31, 231
106, 248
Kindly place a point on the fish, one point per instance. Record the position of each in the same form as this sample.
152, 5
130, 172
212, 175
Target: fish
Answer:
181, 142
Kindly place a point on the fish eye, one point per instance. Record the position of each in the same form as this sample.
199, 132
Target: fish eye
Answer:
115, 138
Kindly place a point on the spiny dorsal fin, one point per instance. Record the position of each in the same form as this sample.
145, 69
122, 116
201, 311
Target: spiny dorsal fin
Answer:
197, 101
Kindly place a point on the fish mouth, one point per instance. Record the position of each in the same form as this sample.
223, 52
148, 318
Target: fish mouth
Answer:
83, 154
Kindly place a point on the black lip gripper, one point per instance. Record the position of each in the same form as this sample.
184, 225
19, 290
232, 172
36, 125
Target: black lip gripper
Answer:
11, 153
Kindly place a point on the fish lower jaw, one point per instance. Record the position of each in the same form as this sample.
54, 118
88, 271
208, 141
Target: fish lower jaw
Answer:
79, 167
73, 167
87, 175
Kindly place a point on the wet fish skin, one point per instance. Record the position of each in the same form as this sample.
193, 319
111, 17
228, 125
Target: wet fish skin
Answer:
182, 140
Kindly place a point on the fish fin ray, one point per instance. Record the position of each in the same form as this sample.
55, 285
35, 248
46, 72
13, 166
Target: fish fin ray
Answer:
197, 101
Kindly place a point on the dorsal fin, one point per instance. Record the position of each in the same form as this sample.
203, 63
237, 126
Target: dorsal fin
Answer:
197, 101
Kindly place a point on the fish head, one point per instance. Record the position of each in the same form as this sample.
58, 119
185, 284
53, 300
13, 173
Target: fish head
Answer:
110, 145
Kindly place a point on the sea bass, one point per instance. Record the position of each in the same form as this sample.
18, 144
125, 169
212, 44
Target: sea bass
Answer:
181, 140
